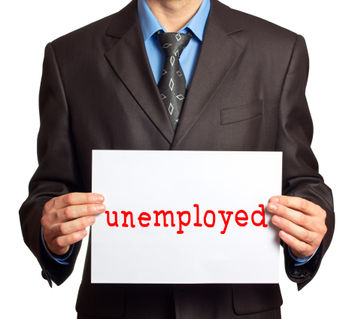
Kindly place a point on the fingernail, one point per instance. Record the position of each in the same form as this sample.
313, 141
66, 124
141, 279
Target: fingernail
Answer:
98, 197
99, 207
91, 220
276, 199
275, 219
283, 233
272, 207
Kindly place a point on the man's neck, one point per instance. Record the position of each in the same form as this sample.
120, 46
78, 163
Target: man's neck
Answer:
174, 14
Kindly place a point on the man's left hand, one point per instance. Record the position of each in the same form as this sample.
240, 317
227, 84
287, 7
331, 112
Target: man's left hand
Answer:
301, 223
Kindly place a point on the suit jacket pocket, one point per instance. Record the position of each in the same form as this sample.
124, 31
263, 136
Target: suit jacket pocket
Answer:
254, 298
241, 112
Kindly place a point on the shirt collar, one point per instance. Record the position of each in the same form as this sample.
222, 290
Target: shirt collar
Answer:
150, 24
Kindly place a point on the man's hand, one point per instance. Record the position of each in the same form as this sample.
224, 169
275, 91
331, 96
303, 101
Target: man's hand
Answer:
65, 218
301, 223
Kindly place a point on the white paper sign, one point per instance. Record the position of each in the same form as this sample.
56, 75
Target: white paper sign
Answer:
185, 217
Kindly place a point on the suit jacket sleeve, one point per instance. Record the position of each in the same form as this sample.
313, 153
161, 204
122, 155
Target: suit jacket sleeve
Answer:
56, 173
300, 168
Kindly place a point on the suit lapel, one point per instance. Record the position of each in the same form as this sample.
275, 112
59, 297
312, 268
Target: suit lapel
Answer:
129, 60
218, 55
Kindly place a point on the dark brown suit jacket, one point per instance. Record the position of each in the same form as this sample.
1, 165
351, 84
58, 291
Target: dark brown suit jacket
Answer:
247, 94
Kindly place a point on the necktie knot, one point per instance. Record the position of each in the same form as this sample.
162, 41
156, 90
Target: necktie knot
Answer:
173, 43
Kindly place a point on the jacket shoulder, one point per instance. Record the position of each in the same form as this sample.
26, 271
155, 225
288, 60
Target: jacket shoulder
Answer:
85, 34
98, 35
257, 30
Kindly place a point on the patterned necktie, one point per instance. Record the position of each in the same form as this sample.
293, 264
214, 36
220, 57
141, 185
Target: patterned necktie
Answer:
172, 84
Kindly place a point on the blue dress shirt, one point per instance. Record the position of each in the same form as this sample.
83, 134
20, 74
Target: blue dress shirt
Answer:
188, 59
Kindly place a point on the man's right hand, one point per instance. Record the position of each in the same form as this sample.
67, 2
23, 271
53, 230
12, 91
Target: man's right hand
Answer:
65, 218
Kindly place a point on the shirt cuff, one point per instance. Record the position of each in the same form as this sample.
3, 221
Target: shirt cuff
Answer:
59, 259
300, 261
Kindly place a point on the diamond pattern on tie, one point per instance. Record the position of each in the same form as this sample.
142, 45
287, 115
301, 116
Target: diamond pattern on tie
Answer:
171, 108
172, 84
167, 45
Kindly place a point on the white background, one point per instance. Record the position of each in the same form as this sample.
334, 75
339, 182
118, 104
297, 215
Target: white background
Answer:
25, 28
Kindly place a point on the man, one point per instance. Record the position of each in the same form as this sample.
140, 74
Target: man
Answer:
240, 85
